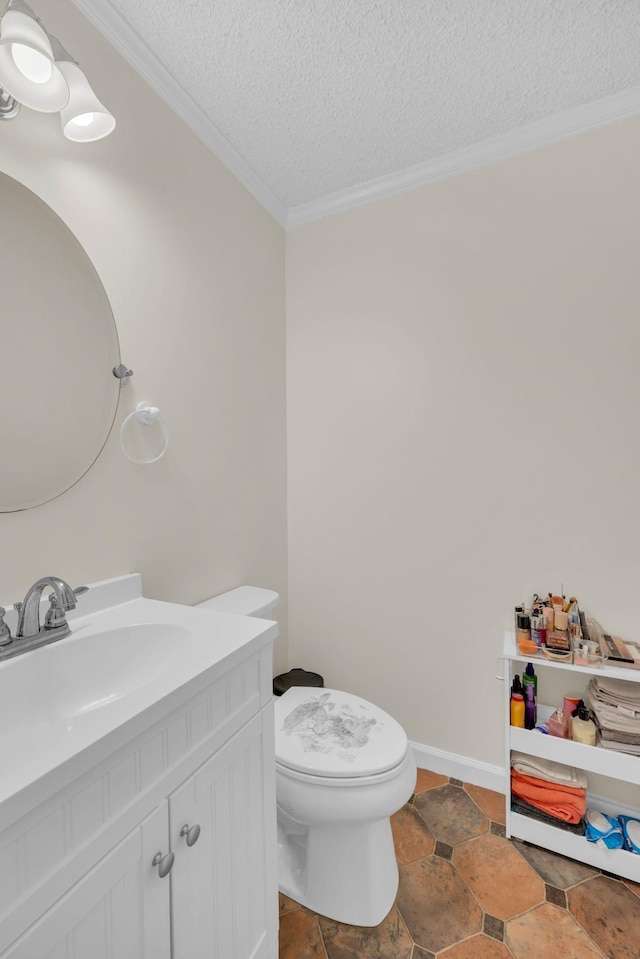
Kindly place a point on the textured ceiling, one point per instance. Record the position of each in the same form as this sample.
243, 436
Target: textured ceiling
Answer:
321, 95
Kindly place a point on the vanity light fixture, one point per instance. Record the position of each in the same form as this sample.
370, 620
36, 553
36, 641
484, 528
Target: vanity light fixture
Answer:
37, 72
83, 118
28, 71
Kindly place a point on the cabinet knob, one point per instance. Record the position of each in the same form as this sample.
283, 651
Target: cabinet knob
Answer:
164, 863
191, 834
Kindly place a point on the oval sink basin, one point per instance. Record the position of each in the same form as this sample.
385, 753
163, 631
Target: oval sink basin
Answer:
88, 671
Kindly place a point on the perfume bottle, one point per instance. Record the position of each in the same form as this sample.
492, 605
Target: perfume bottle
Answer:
557, 724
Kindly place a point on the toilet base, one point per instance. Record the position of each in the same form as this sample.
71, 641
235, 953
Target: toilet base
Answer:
345, 872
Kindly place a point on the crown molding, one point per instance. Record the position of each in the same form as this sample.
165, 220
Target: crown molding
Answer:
618, 106
128, 42
581, 119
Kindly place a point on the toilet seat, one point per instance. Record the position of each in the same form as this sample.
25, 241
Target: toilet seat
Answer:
327, 734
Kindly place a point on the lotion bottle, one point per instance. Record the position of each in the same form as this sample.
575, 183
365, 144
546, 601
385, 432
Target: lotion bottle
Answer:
583, 727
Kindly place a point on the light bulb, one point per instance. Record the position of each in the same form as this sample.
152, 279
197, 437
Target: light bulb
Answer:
84, 120
32, 64
28, 71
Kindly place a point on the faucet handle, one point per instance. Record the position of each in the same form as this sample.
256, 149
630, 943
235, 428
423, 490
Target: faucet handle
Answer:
51, 598
5, 632
55, 615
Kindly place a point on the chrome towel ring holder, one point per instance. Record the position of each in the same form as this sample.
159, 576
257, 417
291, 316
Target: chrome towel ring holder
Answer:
147, 415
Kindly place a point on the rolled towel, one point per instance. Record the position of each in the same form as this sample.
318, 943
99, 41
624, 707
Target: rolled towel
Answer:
546, 769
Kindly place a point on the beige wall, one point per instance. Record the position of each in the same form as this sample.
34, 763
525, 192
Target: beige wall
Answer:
463, 396
194, 270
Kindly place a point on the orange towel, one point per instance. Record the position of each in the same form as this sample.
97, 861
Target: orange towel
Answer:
568, 803
533, 781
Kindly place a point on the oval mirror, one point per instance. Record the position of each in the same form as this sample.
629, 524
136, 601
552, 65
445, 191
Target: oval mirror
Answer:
59, 346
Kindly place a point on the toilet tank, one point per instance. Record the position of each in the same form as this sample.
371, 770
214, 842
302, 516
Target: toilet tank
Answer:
244, 601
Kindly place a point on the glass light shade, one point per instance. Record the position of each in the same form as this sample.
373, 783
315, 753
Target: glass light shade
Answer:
28, 71
84, 118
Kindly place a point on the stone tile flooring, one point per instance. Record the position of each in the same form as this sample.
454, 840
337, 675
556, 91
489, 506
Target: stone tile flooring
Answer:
467, 892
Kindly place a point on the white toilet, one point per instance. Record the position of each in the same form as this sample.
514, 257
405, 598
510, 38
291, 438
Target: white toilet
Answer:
343, 767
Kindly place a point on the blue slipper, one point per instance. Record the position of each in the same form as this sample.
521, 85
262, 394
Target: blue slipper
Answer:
603, 830
631, 833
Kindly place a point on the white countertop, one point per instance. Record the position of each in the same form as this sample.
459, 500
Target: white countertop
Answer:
52, 723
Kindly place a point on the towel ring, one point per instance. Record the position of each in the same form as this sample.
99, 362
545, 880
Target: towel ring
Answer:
146, 414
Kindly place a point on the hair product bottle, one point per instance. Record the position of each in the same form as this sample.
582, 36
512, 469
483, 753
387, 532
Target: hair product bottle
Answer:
517, 703
529, 678
529, 707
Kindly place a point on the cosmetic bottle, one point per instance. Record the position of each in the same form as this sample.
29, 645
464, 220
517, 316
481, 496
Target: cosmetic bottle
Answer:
557, 724
529, 707
529, 678
517, 703
574, 611
518, 611
548, 613
523, 628
538, 629
517, 710
583, 728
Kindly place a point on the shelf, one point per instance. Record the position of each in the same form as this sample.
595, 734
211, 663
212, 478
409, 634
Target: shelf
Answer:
510, 651
617, 861
594, 759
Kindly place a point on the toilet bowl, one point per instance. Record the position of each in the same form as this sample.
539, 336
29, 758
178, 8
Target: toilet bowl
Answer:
343, 767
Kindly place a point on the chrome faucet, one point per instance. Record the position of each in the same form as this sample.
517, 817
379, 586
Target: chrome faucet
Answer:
29, 633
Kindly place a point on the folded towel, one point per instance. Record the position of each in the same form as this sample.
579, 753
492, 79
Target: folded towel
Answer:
545, 787
519, 805
627, 748
610, 717
617, 688
548, 770
617, 694
632, 739
563, 802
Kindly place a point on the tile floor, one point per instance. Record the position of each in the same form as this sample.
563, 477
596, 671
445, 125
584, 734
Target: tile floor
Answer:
467, 892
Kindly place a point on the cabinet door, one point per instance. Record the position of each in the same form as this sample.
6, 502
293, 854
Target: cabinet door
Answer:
119, 910
225, 886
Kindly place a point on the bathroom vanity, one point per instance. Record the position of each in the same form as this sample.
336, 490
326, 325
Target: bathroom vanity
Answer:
137, 793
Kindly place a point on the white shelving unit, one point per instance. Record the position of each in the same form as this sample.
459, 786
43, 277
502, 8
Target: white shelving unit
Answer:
593, 759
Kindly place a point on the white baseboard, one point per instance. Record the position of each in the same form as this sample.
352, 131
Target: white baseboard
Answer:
460, 767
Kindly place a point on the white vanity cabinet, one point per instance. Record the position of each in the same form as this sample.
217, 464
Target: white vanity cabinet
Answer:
605, 762
222, 889
119, 909
77, 879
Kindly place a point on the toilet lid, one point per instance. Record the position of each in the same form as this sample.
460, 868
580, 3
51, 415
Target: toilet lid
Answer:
325, 732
